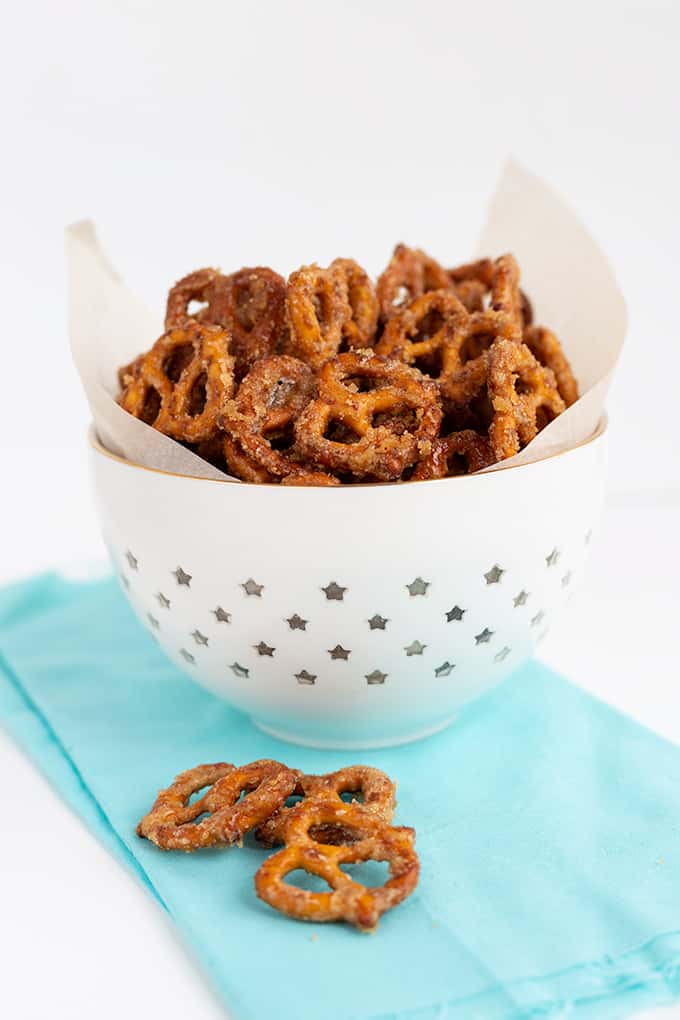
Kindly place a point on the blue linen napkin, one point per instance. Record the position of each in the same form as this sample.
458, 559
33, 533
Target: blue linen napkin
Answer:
548, 830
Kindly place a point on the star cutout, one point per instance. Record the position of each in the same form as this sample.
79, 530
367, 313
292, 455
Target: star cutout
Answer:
182, 577
339, 652
494, 575
418, 587
535, 620
153, 621
415, 648
566, 580
378, 622
303, 677
296, 622
221, 615
199, 638
125, 581
162, 601
186, 655
264, 649
251, 587
132, 560
239, 670
484, 637
503, 654
334, 592
444, 669
552, 559
455, 614
376, 677
520, 599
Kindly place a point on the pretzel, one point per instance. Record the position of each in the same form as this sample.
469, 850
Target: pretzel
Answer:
318, 311
460, 453
261, 417
358, 331
437, 334
321, 478
241, 465
421, 334
523, 395
251, 304
172, 822
198, 286
376, 788
547, 349
409, 274
330, 310
481, 271
182, 385
372, 419
474, 280
348, 900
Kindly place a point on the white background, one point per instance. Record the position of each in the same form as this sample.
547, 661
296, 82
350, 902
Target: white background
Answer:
232, 134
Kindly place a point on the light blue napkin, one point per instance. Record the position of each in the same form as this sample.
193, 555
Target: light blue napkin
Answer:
548, 830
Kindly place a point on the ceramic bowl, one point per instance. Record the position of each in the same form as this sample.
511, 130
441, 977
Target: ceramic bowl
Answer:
350, 617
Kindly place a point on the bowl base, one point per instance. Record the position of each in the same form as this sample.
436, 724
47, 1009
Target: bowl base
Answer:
332, 744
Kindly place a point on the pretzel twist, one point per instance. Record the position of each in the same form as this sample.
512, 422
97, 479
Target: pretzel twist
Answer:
376, 788
348, 900
330, 310
172, 822
372, 418
547, 349
260, 419
460, 453
523, 395
182, 385
251, 304
409, 274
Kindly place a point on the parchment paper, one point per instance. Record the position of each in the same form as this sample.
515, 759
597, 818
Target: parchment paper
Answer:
567, 276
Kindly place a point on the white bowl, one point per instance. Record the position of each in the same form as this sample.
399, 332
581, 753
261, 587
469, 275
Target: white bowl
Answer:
359, 616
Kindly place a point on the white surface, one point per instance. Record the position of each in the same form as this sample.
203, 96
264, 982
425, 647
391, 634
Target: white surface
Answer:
287, 132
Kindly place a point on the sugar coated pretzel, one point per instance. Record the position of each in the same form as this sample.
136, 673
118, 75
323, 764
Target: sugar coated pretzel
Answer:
261, 417
460, 453
330, 310
421, 333
348, 900
182, 385
437, 333
318, 309
305, 478
358, 330
375, 787
172, 822
474, 280
373, 417
523, 394
409, 274
547, 349
250, 304
195, 288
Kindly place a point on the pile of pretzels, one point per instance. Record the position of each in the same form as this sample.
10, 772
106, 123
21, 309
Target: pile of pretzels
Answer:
320, 832
328, 379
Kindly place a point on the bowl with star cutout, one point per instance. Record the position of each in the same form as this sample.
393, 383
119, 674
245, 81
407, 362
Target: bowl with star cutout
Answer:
358, 616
